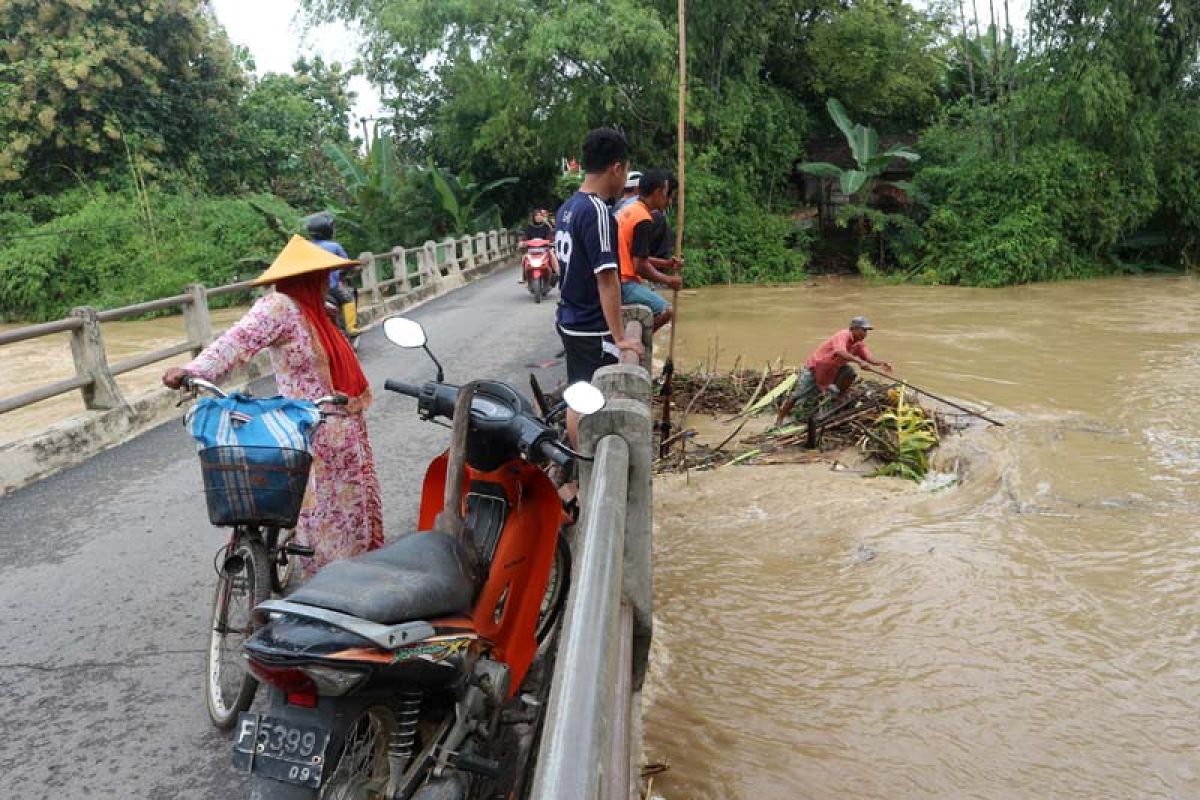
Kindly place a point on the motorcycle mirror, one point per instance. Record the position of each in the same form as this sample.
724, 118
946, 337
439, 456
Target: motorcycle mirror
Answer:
583, 398
404, 332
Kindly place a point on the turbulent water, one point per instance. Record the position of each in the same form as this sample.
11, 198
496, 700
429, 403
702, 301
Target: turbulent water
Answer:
1030, 633
36, 362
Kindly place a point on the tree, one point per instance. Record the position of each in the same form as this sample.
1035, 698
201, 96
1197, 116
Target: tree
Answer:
864, 147
879, 57
283, 122
86, 86
460, 195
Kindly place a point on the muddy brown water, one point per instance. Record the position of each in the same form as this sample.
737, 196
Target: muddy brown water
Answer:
1030, 633
36, 362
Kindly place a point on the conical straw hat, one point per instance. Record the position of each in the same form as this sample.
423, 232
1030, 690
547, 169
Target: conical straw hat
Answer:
299, 258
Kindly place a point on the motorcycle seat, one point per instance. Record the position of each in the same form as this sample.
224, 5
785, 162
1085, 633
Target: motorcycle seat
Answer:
419, 576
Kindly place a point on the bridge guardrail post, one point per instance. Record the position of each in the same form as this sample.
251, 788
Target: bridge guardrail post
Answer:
87, 349
468, 254
197, 321
370, 278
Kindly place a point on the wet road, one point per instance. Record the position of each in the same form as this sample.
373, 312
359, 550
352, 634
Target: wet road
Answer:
106, 574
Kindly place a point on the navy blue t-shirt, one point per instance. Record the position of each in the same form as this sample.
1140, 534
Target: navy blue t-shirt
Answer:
585, 240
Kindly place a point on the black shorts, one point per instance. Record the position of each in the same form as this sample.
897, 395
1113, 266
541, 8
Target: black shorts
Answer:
586, 354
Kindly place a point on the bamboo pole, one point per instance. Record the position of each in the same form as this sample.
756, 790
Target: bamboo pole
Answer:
681, 130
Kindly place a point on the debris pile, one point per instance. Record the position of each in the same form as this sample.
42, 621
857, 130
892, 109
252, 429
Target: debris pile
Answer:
883, 421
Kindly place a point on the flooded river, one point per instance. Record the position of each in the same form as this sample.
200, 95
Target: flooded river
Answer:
1032, 633
37, 362
1029, 634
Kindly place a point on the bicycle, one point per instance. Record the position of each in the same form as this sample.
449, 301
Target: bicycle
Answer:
257, 560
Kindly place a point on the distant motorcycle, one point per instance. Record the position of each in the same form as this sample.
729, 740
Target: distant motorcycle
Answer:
539, 276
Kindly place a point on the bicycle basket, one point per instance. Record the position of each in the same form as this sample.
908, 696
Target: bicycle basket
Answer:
247, 485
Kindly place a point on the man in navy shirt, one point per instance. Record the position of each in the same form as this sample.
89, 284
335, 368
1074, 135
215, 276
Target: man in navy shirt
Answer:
589, 305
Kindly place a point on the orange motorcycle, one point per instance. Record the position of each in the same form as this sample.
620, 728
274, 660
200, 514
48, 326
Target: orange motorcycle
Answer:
419, 670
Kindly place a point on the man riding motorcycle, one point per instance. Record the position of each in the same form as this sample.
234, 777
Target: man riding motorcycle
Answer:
320, 230
540, 228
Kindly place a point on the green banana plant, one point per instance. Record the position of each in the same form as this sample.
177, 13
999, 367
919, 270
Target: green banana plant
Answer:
459, 200
864, 146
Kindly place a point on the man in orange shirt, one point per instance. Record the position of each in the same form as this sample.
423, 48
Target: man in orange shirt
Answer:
828, 368
635, 246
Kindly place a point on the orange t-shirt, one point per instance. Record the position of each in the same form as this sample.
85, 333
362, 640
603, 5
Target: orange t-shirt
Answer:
628, 218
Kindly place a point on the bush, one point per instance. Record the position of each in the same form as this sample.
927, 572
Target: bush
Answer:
731, 238
1056, 213
106, 251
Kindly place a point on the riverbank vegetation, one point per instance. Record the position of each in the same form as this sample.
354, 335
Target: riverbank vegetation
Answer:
1065, 144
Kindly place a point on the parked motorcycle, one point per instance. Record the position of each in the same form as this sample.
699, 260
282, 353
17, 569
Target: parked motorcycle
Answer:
535, 265
405, 673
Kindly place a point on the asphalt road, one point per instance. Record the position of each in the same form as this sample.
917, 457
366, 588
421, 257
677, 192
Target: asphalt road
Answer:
106, 573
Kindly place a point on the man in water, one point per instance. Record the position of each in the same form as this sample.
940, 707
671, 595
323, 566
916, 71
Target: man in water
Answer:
639, 259
589, 305
828, 368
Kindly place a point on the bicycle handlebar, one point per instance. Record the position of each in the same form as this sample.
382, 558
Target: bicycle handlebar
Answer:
192, 382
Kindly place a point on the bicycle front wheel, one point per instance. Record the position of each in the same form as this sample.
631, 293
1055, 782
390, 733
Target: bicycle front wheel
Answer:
244, 581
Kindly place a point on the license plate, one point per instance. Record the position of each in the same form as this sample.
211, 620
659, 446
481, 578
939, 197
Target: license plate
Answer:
280, 749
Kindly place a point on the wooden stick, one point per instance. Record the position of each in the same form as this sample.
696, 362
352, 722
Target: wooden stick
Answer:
680, 133
935, 397
669, 366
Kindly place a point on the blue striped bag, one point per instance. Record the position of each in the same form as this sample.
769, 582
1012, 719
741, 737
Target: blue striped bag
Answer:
255, 456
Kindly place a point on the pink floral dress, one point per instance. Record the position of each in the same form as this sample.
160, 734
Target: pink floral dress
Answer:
342, 514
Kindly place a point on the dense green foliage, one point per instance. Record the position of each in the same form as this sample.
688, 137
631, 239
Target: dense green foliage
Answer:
108, 249
139, 151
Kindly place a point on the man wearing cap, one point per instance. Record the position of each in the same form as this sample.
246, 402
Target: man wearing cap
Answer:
828, 368
631, 191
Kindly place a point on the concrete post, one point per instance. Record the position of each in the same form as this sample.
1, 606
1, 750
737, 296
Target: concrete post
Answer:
494, 253
481, 253
431, 272
450, 248
629, 419
196, 319
468, 253
87, 348
399, 258
370, 278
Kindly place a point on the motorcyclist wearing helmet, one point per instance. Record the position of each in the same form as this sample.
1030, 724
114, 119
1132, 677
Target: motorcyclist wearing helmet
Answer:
320, 230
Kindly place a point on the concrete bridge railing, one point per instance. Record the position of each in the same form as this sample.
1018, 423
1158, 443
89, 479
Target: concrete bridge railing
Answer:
391, 282
591, 738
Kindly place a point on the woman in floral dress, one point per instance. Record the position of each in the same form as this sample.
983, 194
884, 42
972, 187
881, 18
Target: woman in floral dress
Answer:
342, 514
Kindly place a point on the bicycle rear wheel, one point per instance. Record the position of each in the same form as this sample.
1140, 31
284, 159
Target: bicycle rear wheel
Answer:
244, 581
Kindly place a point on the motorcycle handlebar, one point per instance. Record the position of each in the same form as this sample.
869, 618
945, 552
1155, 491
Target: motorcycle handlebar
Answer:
551, 452
402, 388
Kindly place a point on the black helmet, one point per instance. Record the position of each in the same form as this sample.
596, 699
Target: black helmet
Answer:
320, 225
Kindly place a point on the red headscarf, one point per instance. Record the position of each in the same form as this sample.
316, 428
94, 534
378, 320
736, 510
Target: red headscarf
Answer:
309, 293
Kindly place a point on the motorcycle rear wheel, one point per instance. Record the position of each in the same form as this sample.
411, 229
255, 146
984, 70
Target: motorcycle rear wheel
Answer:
244, 581
362, 770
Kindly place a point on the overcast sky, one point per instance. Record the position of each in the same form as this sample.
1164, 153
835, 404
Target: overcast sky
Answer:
275, 37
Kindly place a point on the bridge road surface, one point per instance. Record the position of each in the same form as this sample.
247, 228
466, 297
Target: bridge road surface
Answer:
106, 573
